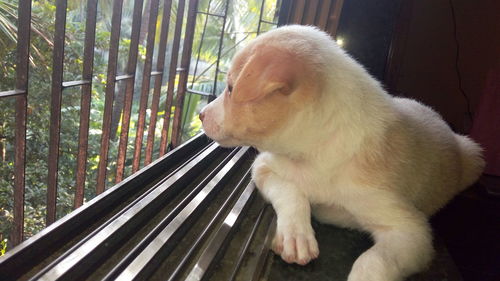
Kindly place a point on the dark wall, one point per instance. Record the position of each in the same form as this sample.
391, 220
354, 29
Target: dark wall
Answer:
366, 27
428, 64
423, 62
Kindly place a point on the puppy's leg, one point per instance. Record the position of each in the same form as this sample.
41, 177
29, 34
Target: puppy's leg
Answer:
403, 240
332, 214
294, 239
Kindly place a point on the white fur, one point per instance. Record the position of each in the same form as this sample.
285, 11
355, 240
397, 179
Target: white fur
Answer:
311, 165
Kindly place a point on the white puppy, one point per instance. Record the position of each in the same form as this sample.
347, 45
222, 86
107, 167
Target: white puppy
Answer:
333, 143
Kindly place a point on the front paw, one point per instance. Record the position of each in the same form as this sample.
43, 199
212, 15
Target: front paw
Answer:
295, 244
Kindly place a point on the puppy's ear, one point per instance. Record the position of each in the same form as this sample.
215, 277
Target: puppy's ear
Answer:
267, 71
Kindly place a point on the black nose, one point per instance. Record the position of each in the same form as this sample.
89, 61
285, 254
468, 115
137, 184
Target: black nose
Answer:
202, 115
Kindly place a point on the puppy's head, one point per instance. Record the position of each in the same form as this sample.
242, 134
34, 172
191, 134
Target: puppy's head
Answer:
267, 88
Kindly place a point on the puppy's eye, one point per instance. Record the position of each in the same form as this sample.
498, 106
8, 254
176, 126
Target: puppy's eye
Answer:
230, 88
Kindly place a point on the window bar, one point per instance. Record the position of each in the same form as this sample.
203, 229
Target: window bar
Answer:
167, 6
55, 109
156, 73
277, 9
333, 19
129, 90
197, 61
172, 74
23, 36
323, 14
201, 42
183, 76
221, 41
310, 14
110, 91
69, 84
210, 14
146, 83
124, 77
268, 22
88, 65
284, 12
260, 16
12, 93
191, 91
225, 53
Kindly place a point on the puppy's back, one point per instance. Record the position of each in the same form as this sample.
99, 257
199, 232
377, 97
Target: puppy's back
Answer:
471, 159
444, 163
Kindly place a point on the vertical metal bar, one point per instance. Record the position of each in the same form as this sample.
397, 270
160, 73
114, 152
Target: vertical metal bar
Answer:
55, 109
185, 60
110, 91
284, 13
324, 12
260, 16
88, 66
221, 41
172, 74
17, 232
201, 44
212, 64
333, 20
23, 46
146, 80
197, 60
129, 90
310, 15
158, 80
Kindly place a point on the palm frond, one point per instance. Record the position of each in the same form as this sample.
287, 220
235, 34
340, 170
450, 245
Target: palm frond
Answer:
8, 28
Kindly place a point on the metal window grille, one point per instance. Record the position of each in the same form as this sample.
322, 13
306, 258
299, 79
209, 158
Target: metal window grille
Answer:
121, 87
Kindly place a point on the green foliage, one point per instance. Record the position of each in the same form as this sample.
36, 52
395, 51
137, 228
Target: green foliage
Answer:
241, 26
3, 247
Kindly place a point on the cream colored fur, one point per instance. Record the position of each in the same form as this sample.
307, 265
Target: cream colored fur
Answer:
335, 145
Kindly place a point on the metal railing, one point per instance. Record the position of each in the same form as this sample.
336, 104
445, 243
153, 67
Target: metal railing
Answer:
321, 13
58, 86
